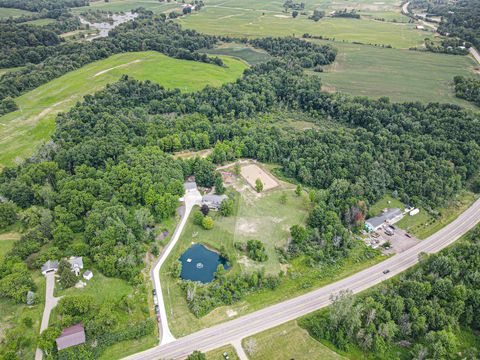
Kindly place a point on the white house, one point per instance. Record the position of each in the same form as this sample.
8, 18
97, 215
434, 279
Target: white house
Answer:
388, 216
49, 266
76, 263
87, 275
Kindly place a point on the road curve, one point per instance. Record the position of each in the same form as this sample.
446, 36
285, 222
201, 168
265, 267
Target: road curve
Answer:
234, 330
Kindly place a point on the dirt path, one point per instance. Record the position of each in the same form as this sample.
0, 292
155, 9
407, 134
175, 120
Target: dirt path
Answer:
475, 54
116, 67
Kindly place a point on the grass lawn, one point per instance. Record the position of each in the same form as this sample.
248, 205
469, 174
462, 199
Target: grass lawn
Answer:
217, 354
285, 342
386, 202
40, 22
248, 18
263, 218
22, 130
402, 75
247, 53
127, 5
11, 12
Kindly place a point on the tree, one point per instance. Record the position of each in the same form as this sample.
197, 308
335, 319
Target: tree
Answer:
205, 209
62, 236
219, 187
226, 207
67, 277
8, 213
237, 169
294, 13
256, 250
197, 217
258, 185
207, 223
197, 355
298, 190
46, 342
283, 198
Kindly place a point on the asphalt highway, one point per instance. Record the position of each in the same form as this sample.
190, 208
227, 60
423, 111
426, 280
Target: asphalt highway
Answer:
271, 316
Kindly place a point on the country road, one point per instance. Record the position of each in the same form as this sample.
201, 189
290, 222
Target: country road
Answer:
237, 329
475, 54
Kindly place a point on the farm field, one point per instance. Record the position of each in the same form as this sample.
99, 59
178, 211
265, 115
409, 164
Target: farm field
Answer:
260, 217
402, 75
247, 18
285, 342
247, 53
22, 130
127, 5
11, 12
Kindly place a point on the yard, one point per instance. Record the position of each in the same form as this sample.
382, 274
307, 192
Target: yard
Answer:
261, 217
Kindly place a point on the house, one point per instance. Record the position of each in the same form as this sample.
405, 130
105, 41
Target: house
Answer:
388, 216
190, 186
49, 266
71, 336
87, 275
76, 263
213, 201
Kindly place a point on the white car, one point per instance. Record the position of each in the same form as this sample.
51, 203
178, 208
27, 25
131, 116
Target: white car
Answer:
155, 300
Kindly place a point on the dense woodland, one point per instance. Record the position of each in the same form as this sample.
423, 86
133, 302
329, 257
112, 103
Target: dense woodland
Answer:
468, 89
39, 5
420, 313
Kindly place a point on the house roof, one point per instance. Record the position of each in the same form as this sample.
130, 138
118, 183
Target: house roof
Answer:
76, 262
389, 214
87, 273
191, 185
71, 336
49, 265
216, 199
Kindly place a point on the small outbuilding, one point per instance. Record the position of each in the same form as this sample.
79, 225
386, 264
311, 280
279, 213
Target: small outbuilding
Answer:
49, 266
71, 336
87, 275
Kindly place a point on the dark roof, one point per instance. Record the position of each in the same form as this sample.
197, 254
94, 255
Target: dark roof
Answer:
71, 336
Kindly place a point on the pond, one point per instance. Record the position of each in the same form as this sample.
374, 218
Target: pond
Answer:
200, 264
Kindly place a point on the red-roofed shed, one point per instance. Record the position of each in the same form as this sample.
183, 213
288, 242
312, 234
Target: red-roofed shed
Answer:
71, 336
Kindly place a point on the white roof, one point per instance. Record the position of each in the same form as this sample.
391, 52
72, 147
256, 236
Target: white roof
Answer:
76, 262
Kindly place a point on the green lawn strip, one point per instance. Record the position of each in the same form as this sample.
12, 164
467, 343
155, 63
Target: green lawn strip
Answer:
302, 278
401, 75
127, 5
11, 12
217, 354
40, 22
22, 130
285, 342
240, 22
247, 53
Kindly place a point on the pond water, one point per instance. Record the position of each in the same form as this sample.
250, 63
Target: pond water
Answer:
200, 264
104, 27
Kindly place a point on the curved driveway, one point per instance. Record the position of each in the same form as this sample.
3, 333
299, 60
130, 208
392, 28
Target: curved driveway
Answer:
280, 313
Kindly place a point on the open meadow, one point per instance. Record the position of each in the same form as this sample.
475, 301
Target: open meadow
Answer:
127, 5
6, 13
247, 18
23, 130
402, 75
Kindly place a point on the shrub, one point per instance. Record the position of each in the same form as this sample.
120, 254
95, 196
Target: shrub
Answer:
207, 223
226, 208
258, 185
256, 250
197, 218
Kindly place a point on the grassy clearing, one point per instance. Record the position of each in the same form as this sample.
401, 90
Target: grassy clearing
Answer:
40, 22
266, 219
402, 75
248, 18
11, 12
386, 202
126, 5
22, 130
247, 53
6, 241
285, 342
217, 354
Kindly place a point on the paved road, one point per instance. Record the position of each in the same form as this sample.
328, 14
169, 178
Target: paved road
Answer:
234, 330
190, 199
475, 54
50, 303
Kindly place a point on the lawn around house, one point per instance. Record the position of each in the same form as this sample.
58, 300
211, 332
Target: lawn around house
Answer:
23, 130
286, 342
262, 218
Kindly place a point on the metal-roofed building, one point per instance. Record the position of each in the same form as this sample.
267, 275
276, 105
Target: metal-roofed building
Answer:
213, 201
71, 336
389, 216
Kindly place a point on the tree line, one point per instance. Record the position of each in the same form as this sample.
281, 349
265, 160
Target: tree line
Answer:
467, 88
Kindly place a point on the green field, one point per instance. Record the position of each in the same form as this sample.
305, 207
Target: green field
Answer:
402, 75
285, 342
23, 130
40, 22
247, 53
127, 5
266, 219
11, 12
249, 18
217, 354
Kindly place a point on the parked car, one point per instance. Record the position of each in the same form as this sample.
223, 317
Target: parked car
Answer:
386, 271
154, 291
158, 317
155, 300
225, 356
157, 310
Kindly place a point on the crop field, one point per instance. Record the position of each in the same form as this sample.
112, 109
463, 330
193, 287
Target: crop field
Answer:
22, 130
402, 75
10, 12
248, 18
285, 342
127, 5
263, 217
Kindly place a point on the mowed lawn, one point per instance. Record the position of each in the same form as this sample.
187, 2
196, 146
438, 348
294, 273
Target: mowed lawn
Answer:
245, 18
285, 342
127, 5
11, 12
402, 75
23, 130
